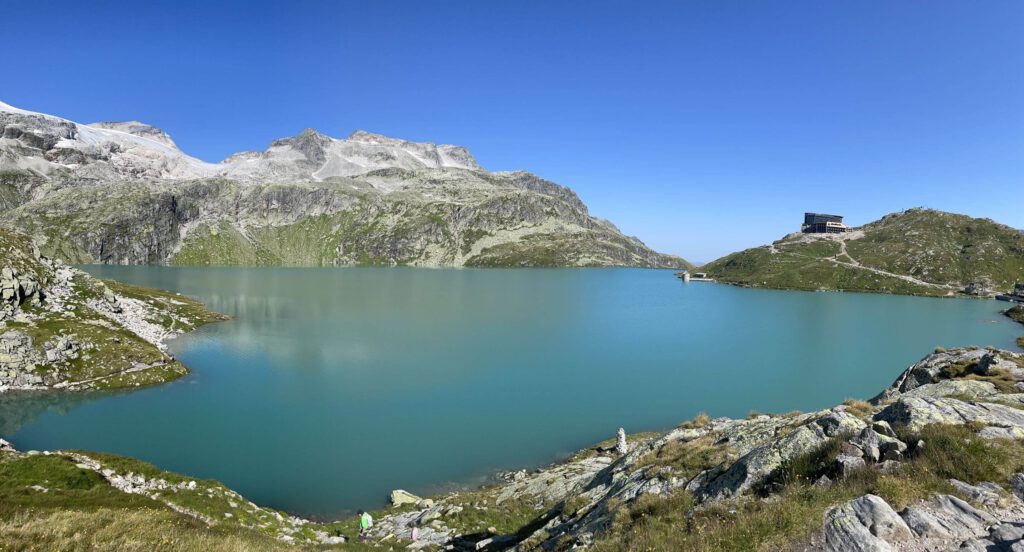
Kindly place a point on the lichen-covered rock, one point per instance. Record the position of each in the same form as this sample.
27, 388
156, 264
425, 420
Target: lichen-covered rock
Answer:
1017, 485
955, 388
763, 461
19, 288
916, 412
931, 375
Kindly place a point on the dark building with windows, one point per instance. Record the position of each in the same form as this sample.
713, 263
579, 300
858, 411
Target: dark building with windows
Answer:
817, 223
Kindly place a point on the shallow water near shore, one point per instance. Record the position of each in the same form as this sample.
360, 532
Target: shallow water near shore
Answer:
331, 387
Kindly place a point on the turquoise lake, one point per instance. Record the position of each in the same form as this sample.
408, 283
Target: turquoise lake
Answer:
330, 387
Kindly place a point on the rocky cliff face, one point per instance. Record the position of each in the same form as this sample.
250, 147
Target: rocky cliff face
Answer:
61, 328
919, 251
124, 193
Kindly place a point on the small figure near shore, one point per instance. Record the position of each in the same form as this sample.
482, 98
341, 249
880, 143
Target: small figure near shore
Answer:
621, 446
414, 531
365, 522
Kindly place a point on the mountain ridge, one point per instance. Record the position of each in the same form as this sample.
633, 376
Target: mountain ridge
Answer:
125, 193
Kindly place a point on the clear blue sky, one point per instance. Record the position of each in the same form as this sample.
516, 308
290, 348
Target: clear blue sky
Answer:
661, 115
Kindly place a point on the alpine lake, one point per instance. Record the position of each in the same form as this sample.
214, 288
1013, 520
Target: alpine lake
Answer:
330, 387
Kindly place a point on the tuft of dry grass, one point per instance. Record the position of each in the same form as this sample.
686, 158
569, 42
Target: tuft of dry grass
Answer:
698, 422
859, 408
687, 458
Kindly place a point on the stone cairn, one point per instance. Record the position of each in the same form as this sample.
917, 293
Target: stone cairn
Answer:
621, 446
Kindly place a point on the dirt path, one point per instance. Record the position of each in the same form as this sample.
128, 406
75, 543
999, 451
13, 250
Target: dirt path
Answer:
854, 263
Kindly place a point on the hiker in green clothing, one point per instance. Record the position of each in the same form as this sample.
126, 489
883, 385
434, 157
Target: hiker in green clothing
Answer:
365, 522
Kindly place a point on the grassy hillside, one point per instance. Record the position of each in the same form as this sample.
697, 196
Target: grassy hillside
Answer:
915, 252
71, 500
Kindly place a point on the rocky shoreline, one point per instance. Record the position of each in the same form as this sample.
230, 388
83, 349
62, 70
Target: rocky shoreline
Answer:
60, 328
575, 502
713, 462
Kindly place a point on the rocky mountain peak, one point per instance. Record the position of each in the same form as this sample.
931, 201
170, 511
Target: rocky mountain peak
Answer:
312, 144
136, 128
373, 138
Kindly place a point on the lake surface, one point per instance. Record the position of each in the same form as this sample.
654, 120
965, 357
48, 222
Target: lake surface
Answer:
330, 387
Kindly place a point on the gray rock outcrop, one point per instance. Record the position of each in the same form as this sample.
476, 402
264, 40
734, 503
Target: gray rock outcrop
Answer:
18, 288
916, 412
764, 460
865, 524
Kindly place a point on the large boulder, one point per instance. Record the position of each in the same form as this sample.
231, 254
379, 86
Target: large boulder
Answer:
865, 524
401, 498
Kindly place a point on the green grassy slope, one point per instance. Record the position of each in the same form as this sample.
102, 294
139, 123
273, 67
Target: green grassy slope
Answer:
915, 252
66, 501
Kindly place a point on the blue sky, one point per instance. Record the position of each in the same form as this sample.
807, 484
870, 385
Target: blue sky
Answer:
661, 115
